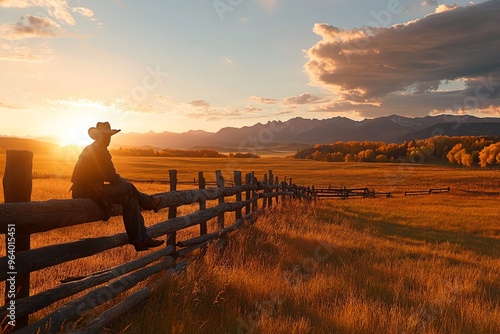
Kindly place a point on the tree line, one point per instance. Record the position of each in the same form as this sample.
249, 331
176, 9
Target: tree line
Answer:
174, 153
465, 150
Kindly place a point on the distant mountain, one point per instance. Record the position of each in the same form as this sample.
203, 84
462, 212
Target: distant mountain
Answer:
296, 132
162, 140
452, 129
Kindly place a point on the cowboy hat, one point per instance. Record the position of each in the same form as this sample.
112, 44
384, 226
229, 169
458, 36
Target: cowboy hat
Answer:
102, 128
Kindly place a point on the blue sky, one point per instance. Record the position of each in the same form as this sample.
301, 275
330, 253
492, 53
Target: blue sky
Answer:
185, 65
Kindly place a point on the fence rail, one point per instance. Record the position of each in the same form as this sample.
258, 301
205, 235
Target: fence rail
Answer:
345, 193
426, 192
244, 200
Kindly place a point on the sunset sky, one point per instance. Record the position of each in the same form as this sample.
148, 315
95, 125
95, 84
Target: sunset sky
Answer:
184, 65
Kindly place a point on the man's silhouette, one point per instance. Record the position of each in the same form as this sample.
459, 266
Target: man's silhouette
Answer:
95, 177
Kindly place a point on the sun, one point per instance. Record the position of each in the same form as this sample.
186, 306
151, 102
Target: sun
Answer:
73, 131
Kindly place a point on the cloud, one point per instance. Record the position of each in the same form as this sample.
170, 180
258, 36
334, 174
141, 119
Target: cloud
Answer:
18, 52
374, 69
84, 11
429, 3
306, 98
444, 8
268, 5
57, 9
264, 100
216, 113
7, 105
199, 103
31, 26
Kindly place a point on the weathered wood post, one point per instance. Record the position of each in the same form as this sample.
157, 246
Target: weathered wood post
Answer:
248, 194
237, 182
203, 203
172, 210
271, 177
254, 193
220, 184
266, 189
284, 188
17, 186
277, 182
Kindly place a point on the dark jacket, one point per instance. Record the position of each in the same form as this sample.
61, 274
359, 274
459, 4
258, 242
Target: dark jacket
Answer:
94, 166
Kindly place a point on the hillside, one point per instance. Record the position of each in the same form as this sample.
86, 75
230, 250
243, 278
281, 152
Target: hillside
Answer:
292, 135
297, 131
35, 146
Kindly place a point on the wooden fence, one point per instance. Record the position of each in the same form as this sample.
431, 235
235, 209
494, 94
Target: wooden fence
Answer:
427, 192
345, 193
27, 218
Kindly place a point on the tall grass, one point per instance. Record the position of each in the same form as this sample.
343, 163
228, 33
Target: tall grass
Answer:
315, 269
426, 264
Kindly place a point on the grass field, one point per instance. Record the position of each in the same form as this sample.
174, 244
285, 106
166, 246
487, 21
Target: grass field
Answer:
423, 264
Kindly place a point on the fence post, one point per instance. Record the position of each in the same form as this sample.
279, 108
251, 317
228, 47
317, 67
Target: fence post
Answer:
248, 181
237, 182
266, 189
283, 188
220, 184
203, 203
172, 211
17, 185
254, 193
270, 200
276, 181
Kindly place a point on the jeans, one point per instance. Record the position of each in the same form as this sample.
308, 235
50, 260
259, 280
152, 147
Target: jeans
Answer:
131, 200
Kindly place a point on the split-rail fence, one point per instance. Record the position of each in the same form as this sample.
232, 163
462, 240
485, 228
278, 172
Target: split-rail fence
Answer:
244, 199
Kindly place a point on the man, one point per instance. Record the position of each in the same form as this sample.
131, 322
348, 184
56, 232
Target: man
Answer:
95, 167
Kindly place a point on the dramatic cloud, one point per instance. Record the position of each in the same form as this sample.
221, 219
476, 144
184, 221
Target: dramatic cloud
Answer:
374, 69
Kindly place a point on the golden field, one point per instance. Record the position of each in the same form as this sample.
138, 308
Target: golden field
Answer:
420, 264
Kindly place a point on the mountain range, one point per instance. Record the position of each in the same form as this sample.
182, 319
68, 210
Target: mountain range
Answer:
300, 132
292, 135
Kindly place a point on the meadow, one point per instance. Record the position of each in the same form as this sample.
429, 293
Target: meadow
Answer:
420, 264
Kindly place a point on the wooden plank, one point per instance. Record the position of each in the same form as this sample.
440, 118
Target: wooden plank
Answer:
26, 306
54, 322
48, 256
115, 312
35, 217
216, 234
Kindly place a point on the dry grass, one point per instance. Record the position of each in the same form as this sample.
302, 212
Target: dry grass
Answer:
427, 264
313, 269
